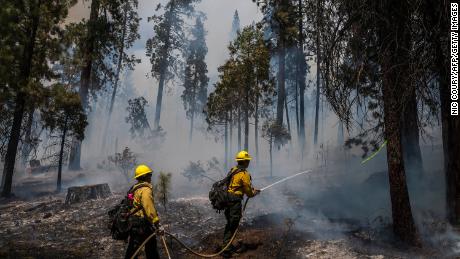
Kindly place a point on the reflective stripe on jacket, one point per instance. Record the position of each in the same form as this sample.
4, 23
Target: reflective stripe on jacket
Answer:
143, 199
241, 183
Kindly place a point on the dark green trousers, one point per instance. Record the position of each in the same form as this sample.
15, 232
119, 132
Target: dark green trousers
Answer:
233, 216
140, 231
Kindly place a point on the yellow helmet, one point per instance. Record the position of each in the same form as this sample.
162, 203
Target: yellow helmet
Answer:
142, 170
243, 156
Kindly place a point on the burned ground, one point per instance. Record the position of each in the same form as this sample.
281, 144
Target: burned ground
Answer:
44, 227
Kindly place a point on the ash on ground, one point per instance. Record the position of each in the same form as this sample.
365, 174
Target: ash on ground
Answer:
280, 223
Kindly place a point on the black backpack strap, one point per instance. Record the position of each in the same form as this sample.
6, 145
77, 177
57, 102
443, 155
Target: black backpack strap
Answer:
230, 175
135, 187
133, 190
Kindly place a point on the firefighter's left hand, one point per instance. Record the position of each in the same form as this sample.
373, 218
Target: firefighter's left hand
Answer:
160, 229
256, 191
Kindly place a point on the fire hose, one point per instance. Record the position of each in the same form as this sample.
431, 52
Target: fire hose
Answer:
229, 242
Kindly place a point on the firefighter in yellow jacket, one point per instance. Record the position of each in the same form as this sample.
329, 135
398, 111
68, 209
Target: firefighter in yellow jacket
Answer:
240, 185
145, 219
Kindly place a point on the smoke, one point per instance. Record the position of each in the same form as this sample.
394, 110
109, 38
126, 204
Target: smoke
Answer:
339, 194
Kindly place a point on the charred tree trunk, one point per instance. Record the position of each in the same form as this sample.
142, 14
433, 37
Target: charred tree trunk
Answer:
61, 155
287, 116
85, 79
340, 138
437, 17
256, 129
239, 129
271, 156
191, 127
24, 74
297, 107
161, 84
301, 72
163, 69
226, 143
281, 82
410, 136
318, 69
79, 194
117, 75
246, 120
395, 41
193, 115
26, 147
230, 143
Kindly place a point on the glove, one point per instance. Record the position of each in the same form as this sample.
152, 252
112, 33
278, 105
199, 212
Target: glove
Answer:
256, 191
159, 229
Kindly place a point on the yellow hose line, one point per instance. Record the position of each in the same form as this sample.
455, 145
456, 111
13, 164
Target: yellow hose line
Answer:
188, 248
166, 247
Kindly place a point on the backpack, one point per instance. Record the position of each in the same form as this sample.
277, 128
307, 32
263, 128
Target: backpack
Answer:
119, 223
219, 196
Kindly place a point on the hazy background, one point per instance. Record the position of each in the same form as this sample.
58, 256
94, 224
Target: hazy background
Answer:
340, 185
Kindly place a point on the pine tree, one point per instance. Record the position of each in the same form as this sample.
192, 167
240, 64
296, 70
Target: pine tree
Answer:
244, 87
64, 114
126, 35
279, 20
97, 49
235, 26
23, 25
196, 80
166, 47
373, 61
435, 18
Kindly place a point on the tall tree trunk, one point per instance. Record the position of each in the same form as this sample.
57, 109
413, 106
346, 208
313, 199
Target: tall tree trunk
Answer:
437, 15
226, 143
297, 106
193, 113
26, 146
156, 123
246, 120
340, 139
239, 129
191, 127
287, 116
15, 131
281, 81
271, 155
117, 74
410, 135
163, 69
61, 155
395, 41
256, 129
318, 69
230, 143
301, 66
85, 79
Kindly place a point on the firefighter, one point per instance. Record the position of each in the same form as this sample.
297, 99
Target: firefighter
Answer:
240, 185
145, 220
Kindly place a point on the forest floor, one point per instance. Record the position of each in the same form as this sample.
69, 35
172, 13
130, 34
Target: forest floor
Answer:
47, 228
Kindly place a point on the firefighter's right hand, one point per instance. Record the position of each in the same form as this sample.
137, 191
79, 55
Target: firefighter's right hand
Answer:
159, 229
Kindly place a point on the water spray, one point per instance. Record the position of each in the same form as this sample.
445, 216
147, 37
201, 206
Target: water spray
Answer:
227, 245
285, 179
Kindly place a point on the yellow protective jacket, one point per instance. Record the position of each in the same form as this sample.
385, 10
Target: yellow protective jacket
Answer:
241, 183
143, 200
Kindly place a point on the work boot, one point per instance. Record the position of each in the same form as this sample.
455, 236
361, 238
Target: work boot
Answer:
241, 248
227, 254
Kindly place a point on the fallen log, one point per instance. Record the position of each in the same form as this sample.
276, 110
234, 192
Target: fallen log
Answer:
78, 194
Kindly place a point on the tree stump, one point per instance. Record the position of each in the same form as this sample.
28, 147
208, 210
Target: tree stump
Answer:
78, 194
